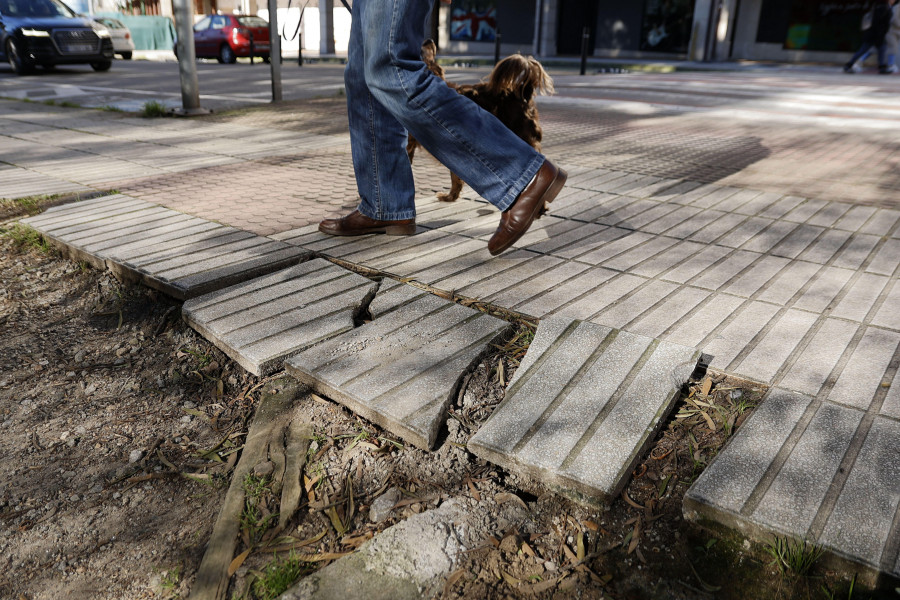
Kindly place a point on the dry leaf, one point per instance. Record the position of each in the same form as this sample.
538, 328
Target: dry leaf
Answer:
635, 536
510, 579
707, 385
473, 489
452, 579
504, 497
579, 554
238, 561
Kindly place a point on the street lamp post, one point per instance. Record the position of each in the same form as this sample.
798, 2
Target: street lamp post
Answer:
187, 59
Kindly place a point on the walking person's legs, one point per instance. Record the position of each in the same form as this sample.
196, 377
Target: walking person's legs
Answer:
863, 50
387, 35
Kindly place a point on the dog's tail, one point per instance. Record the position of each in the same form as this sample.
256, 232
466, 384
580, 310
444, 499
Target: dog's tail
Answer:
520, 75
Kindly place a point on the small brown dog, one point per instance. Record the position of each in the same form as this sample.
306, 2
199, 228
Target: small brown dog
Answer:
508, 94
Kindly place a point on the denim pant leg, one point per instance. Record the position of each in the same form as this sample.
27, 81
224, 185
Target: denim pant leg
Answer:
864, 49
378, 141
471, 142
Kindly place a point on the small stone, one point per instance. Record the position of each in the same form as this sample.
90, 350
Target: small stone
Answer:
79, 357
550, 565
264, 469
736, 394
190, 404
383, 505
135, 455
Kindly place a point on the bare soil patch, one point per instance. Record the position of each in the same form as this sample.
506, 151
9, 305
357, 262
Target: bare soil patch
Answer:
119, 429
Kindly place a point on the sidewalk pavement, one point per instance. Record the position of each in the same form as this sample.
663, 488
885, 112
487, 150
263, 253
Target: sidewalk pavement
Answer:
761, 225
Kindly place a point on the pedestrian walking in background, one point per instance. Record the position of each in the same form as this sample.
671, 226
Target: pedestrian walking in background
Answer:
892, 39
874, 36
390, 94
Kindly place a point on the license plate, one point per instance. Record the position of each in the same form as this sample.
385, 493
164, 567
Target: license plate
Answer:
79, 48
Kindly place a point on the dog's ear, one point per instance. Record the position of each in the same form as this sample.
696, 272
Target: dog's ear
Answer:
429, 50
543, 83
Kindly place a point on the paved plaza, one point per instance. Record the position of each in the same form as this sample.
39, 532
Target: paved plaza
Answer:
753, 216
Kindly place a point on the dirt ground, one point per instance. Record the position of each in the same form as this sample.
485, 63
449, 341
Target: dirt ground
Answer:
119, 427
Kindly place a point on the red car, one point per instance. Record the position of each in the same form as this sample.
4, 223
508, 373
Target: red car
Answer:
225, 37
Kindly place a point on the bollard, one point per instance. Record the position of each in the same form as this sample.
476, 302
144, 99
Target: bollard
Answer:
497, 40
300, 50
252, 49
585, 39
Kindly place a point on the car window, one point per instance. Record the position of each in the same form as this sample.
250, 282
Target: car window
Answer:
252, 22
202, 24
35, 8
219, 21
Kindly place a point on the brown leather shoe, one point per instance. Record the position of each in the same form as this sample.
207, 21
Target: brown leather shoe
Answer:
530, 205
357, 223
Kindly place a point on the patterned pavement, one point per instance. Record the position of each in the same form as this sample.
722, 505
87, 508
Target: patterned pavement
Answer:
753, 216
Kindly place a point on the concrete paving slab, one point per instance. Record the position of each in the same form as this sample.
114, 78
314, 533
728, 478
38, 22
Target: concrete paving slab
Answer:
176, 254
583, 405
260, 322
401, 370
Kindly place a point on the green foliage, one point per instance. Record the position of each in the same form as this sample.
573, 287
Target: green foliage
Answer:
793, 557
278, 577
154, 109
26, 237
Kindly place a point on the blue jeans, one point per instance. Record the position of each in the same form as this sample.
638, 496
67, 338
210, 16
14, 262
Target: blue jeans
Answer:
390, 92
865, 49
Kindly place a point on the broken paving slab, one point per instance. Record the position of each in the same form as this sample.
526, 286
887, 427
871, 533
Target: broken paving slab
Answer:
412, 559
260, 322
583, 406
812, 470
177, 254
401, 370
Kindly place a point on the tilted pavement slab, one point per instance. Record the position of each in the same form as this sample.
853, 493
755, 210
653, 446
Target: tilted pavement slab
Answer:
816, 468
583, 406
180, 255
402, 369
260, 322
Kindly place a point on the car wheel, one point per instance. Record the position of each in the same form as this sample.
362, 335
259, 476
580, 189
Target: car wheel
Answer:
101, 65
126, 56
19, 63
226, 54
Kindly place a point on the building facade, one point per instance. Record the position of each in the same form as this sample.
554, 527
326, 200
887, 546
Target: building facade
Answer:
701, 30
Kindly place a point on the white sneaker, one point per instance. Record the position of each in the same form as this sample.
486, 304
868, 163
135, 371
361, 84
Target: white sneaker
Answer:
894, 69
856, 68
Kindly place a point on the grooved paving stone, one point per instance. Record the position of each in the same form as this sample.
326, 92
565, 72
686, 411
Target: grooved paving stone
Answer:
401, 370
177, 254
583, 405
724, 487
260, 322
864, 371
819, 358
861, 523
792, 501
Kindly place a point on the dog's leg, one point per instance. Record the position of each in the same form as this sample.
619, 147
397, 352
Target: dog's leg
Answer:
411, 148
456, 185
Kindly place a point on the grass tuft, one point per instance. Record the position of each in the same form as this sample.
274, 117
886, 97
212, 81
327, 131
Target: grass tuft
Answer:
278, 577
793, 557
24, 237
154, 109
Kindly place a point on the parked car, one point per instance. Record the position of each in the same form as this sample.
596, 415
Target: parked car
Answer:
226, 37
49, 33
123, 44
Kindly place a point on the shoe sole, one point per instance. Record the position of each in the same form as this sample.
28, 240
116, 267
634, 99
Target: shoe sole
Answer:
541, 208
388, 230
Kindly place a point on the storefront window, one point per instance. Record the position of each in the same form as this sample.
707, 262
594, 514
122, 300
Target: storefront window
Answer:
667, 25
473, 20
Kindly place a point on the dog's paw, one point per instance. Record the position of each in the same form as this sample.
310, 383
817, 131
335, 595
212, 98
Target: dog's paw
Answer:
447, 197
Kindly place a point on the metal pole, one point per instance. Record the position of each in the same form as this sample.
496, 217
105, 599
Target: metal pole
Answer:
275, 50
187, 57
497, 40
252, 49
585, 38
300, 49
